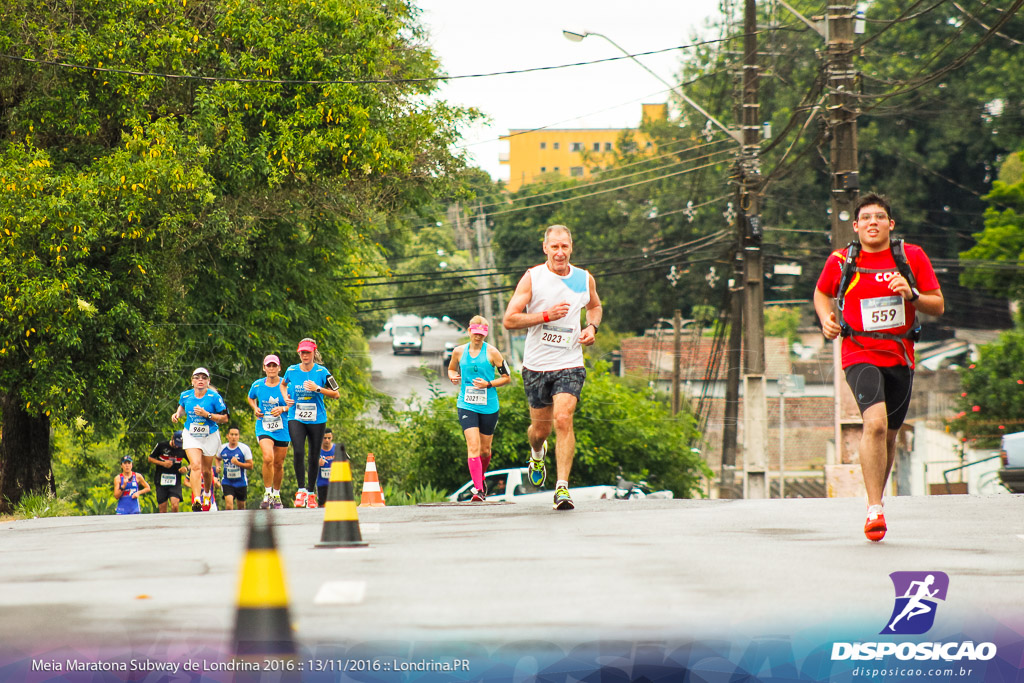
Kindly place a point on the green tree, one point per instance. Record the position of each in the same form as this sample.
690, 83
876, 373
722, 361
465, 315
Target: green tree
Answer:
152, 224
994, 263
992, 402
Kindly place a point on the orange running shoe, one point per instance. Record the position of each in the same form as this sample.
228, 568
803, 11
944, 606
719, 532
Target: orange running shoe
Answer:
874, 527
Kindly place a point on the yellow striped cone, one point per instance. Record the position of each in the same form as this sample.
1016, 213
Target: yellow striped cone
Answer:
262, 624
341, 520
373, 496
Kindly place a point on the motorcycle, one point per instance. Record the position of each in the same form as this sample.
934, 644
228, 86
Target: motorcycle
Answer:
628, 490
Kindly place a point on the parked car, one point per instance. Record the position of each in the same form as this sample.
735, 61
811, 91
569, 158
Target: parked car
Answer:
513, 485
449, 350
1012, 472
429, 322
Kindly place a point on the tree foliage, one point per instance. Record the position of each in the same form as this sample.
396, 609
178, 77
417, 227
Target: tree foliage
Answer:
150, 224
994, 263
992, 402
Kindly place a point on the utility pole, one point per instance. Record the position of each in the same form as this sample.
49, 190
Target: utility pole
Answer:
502, 340
483, 281
750, 229
677, 352
842, 122
733, 360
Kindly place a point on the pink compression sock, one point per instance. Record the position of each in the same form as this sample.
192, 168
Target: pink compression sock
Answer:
476, 471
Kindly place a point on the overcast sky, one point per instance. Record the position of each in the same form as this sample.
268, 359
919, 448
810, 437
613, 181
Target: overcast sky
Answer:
481, 36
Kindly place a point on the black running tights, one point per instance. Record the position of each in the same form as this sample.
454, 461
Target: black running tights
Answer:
300, 432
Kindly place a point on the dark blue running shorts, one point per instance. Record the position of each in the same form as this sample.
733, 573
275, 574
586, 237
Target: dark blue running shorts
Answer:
541, 386
485, 422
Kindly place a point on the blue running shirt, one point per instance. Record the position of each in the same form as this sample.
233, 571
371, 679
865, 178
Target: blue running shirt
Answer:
201, 426
323, 477
309, 405
126, 505
268, 398
483, 401
233, 475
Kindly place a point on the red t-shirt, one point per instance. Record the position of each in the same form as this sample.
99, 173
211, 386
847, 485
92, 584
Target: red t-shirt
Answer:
870, 305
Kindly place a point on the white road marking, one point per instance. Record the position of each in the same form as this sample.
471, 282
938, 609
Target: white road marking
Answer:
341, 593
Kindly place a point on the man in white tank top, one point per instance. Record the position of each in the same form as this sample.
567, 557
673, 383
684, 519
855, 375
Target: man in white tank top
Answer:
548, 303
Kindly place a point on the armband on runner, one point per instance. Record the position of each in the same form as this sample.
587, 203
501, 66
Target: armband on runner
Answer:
333, 385
503, 369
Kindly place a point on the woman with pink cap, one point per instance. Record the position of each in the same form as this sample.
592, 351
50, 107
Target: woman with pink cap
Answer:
267, 400
305, 386
477, 369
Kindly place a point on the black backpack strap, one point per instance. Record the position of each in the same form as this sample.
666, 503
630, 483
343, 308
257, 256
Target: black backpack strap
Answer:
849, 268
899, 255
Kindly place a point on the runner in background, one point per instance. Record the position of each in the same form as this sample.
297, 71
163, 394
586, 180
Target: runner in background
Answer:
478, 369
168, 459
327, 453
267, 400
305, 386
235, 459
128, 486
204, 410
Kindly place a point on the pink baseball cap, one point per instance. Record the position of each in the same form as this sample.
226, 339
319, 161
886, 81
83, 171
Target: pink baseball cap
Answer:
307, 345
478, 328
271, 359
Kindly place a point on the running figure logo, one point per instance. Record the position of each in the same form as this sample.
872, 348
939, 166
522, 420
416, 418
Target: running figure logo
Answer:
917, 594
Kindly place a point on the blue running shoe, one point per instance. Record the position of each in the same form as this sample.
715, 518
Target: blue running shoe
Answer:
563, 501
538, 470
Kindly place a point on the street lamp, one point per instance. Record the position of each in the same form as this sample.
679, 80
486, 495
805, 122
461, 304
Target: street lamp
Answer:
578, 37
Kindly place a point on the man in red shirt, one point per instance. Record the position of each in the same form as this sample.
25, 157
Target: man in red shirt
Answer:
878, 325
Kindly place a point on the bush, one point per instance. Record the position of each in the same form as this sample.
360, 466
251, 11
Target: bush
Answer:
44, 504
421, 494
618, 432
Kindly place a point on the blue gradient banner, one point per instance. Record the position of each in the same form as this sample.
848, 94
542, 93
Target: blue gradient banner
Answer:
809, 655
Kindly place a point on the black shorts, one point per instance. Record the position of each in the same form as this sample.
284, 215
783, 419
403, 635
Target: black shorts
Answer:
237, 492
485, 422
541, 386
277, 444
165, 492
872, 384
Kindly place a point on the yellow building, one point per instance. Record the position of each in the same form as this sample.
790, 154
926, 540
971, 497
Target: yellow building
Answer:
573, 152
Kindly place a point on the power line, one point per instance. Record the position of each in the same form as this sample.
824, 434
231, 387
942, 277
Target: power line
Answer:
366, 81
664, 257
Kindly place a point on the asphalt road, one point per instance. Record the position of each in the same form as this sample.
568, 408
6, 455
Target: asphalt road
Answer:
401, 376
494, 574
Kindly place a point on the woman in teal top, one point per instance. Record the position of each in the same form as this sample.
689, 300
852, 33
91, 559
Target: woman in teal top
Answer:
477, 369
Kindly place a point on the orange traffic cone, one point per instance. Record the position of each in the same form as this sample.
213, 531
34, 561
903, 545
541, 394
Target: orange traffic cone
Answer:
373, 496
341, 521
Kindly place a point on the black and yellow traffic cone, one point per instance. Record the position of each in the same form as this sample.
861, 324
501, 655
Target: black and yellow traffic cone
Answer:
341, 520
262, 624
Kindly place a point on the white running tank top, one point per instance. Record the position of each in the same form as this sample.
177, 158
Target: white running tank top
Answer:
556, 345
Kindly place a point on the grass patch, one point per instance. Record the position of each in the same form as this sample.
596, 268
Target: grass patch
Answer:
44, 504
421, 494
